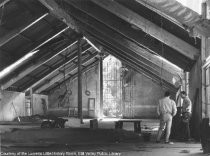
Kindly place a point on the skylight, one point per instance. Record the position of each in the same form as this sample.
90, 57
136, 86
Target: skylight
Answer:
195, 5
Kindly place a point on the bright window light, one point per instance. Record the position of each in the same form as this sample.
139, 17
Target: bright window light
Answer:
168, 62
89, 42
195, 5
14, 65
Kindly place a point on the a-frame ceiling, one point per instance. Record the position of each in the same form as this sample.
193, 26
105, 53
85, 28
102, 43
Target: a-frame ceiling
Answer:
126, 29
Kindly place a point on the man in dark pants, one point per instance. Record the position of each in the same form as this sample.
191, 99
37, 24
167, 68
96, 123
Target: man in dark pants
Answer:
186, 115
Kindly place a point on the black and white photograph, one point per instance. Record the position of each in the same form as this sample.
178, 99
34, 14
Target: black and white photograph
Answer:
104, 77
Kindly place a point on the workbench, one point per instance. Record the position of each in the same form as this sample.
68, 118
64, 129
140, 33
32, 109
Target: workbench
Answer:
136, 122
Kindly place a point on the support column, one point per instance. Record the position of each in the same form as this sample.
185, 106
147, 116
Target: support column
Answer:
187, 82
31, 101
101, 83
204, 41
80, 115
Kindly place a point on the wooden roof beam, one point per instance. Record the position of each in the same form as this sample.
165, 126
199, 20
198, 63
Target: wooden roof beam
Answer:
58, 68
6, 55
60, 13
33, 48
3, 2
73, 76
135, 36
34, 66
98, 43
60, 76
48, 67
161, 13
149, 27
137, 67
127, 47
21, 29
62, 56
146, 69
129, 54
33, 77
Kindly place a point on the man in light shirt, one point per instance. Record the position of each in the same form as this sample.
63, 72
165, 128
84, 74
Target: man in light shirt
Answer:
186, 115
166, 110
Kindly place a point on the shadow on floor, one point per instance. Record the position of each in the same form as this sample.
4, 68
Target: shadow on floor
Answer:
104, 139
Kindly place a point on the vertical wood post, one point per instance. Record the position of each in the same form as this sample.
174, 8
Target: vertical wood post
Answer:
31, 102
203, 58
187, 82
101, 83
80, 115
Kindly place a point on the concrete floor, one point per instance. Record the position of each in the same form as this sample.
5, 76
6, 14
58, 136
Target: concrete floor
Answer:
149, 149
103, 141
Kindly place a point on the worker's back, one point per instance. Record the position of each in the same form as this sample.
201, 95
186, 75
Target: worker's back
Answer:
166, 105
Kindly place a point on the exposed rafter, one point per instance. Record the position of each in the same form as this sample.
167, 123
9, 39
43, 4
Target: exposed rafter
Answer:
146, 69
18, 31
33, 67
61, 76
59, 13
129, 33
73, 76
58, 68
161, 13
196, 24
131, 63
53, 60
33, 77
128, 48
150, 28
34, 48
48, 67
3, 2
5, 55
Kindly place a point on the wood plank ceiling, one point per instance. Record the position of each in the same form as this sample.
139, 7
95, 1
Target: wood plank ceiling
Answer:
125, 29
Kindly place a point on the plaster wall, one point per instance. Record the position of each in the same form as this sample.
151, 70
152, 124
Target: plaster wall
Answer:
11, 105
40, 104
146, 95
68, 104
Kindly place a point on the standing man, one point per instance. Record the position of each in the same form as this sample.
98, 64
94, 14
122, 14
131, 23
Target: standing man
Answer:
166, 110
186, 115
